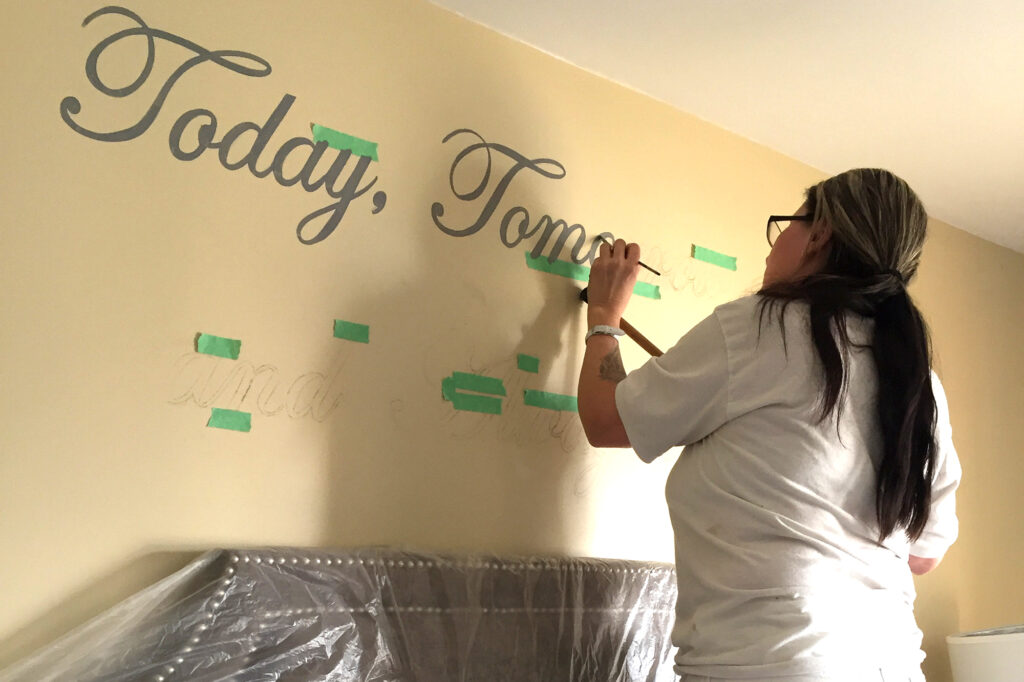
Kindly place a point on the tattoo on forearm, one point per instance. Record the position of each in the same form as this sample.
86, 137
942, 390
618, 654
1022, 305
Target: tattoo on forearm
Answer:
611, 367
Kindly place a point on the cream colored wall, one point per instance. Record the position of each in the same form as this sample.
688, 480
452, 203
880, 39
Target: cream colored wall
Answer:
970, 292
116, 254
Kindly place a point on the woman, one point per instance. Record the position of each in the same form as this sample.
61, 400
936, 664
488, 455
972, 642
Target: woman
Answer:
819, 472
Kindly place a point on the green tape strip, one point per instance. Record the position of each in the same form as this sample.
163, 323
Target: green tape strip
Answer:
448, 389
230, 419
528, 363
559, 267
352, 331
478, 383
452, 386
551, 401
582, 274
218, 345
343, 141
648, 290
713, 257
476, 403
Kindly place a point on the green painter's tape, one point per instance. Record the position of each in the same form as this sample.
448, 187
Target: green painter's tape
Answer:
648, 290
551, 401
452, 387
448, 389
218, 345
559, 267
528, 363
230, 419
713, 257
352, 331
468, 402
478, 383
582, 274
343, 141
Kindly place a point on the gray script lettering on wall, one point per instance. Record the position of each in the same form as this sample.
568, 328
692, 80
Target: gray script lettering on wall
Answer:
583, 250
204, 135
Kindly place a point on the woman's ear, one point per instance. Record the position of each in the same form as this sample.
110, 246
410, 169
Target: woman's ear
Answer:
819, 241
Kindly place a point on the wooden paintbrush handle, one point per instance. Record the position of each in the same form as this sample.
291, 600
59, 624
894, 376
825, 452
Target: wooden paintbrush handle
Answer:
630, 330
640, 339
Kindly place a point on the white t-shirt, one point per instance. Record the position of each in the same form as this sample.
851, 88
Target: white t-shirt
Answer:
774, 513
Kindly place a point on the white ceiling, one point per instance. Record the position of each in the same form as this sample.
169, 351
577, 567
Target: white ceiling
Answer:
930, 89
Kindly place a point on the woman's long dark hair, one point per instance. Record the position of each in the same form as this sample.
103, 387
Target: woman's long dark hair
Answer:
878, 227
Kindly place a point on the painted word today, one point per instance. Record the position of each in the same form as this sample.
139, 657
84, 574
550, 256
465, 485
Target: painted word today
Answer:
241, 146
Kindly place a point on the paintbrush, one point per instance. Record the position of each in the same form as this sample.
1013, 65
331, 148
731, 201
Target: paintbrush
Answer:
630, 330
641, 263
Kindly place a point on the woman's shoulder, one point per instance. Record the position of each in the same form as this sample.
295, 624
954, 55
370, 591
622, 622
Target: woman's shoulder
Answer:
754, 318
755, 301
765, 330
758, 312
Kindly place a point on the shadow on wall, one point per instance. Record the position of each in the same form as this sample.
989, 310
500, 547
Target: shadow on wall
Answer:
472, 482
461, 481
79, 607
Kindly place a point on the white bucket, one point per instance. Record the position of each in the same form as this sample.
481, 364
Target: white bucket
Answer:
995, 655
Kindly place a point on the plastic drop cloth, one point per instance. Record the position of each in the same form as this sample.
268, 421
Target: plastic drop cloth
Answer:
377, 615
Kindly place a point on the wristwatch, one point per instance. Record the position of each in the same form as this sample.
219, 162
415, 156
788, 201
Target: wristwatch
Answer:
603, 329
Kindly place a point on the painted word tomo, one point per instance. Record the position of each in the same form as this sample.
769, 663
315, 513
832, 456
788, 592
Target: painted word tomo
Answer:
515, 224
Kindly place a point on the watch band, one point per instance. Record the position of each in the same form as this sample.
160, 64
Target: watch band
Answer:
603, 329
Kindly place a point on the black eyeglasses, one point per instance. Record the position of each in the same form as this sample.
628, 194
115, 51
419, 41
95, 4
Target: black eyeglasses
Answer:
778, 223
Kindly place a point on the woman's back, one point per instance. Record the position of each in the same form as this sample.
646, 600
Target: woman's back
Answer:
774, 514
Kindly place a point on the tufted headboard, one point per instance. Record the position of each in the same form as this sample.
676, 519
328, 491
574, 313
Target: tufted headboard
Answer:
378, 615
